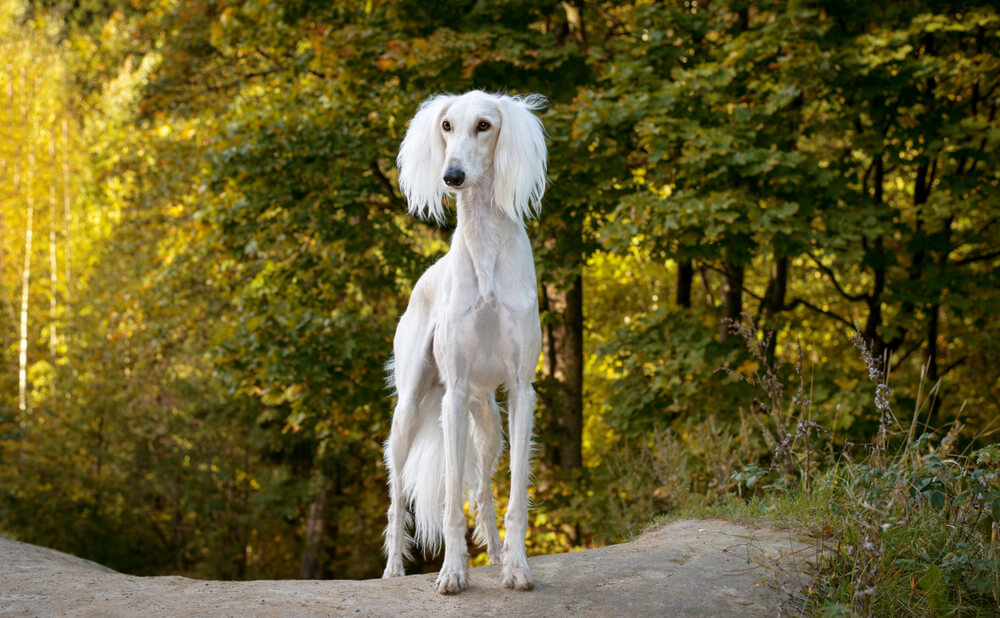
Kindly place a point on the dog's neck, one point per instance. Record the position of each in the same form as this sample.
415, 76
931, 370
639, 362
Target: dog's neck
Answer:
483, 231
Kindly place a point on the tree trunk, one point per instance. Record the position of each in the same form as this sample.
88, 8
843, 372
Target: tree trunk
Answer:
774, 297
874, 301
732, 297
22, 374
564, 349
311, 567
53, 264
774, 301
921, 192
876, 259
685, 276
566, 336
706, 286
66, 222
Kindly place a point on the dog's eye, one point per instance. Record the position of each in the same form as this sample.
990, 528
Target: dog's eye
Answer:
446, 125
483, 125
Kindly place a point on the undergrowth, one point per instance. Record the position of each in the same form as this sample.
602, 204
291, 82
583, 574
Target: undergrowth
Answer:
907, 523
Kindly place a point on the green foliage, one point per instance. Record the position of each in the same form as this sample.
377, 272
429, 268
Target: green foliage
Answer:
240, 255
917, 531
903, 524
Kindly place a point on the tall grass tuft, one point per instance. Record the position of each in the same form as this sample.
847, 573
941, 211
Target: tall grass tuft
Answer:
908, 523
911, 524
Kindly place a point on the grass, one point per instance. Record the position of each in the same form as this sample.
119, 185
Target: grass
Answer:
907, 524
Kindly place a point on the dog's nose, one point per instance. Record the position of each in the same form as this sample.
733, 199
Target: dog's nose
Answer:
454, 177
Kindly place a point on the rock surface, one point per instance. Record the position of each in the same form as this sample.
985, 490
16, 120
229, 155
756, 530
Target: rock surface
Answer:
684, 568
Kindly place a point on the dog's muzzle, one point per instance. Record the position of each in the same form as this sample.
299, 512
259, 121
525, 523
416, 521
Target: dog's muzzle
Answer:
454, 177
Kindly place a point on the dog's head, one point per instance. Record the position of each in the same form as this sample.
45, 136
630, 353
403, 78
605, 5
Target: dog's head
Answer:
474, 141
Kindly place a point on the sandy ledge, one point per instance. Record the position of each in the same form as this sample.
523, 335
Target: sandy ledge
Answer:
684, 568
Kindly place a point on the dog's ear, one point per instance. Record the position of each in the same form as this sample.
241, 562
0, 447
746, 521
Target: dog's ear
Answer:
520, 158
421, 160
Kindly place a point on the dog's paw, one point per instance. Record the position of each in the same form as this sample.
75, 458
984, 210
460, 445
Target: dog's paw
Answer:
517, 578
452, 582
393, 570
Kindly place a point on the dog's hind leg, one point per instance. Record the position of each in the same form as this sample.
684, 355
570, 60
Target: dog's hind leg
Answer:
397, 447
489, 442
414, 377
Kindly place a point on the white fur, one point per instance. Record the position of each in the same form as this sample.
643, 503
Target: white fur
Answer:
419, 160
519, 179
471, 327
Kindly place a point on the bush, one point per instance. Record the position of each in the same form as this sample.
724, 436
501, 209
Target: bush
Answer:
908, 522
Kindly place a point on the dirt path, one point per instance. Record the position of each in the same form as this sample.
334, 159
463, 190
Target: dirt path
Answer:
686, 568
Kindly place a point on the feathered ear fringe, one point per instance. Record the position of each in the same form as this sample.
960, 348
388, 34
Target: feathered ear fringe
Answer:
519, 162
421, 159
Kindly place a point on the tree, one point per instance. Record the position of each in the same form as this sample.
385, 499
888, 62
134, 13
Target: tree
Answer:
27, 116
239, 251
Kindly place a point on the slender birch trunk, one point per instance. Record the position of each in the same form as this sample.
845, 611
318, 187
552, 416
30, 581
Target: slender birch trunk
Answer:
53, 264
22, 375
67, 307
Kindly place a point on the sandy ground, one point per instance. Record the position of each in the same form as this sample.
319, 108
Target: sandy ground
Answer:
685, 568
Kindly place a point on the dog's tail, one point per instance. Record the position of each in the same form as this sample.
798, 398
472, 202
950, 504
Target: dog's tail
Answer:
424, 476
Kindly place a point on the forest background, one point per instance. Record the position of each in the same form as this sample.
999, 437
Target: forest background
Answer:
204, 255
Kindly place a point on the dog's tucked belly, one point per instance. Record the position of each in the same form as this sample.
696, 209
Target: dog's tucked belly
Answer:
487, 369
480, 335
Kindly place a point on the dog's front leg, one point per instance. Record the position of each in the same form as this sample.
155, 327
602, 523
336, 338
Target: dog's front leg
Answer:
454, 575
488, 441
515, 573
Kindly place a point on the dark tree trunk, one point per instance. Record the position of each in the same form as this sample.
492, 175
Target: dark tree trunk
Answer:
874, 301
876, 260
921, 192
685, 276
563, 336
732, 296
934, 311
706, 286
311, 567
571, 451
774, 301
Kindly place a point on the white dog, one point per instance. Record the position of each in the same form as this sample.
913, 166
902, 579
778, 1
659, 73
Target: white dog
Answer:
471, 326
